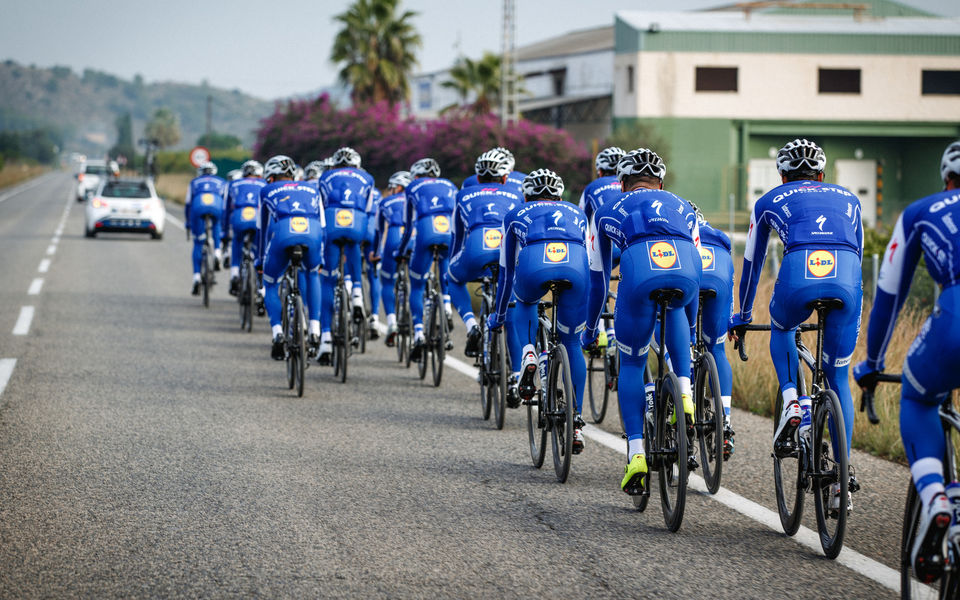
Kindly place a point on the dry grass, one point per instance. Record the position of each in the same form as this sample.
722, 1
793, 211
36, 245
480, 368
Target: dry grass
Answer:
755, 382
173, 186
13, 173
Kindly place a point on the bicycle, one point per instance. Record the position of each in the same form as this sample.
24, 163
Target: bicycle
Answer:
493, 358
401, 291
948, 584
206, 261
343, 342
359, 326
665, 442
294, 319
608, 363
436, 333
820, 459
553, 408
248, 283
708, 405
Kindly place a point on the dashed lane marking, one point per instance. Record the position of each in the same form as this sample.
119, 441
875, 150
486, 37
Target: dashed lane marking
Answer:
51, 249
6, 370
22, 326
44, 266
35, 286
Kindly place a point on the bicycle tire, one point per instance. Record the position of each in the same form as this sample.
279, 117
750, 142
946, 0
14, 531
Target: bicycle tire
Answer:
299, 345
649, 432
789, 481
344, 333
498, 388
537, 428
709, 420
205, 271
597, 390
672, 438
830, 453
423, 361
287, 339
561, 401
487, 362
439, 341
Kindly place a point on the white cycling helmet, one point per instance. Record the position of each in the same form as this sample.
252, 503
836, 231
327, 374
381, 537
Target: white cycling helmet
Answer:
234, 174
425, 167
641, 161
511, 161
608, 158
801, 154
207, 168
346, 157
252, 168
492, 163
314, 169
542, 182
400, 178
950, 163
280, 166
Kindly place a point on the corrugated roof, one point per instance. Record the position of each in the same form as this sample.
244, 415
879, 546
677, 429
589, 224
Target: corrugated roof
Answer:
875, 8
758, 23
575, 42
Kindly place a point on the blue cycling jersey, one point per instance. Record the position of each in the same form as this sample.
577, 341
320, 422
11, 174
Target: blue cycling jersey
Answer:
484, 205
287, 199
514, 182
807, 215
646, 214
347, 188
599, 192
711, 236
428, 196
244, 192
205, 194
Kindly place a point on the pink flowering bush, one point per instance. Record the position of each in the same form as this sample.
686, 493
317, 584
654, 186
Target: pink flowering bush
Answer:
309, 130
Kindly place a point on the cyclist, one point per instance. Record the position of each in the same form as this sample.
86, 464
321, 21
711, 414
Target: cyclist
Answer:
928, 228
605, 188
290, 215
659, 239
390, 214
312, 173
243, 206
717, 275
430, 204
346, 190
373, 264
544, 241
514, 178
477, 233
822, 234
204, 197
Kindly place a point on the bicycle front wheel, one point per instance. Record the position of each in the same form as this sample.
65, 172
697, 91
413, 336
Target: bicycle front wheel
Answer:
672, 441
597, 390
709, 420
830, 462
561, 403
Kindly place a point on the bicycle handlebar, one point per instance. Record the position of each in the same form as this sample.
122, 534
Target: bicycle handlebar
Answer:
742, 330
868, 384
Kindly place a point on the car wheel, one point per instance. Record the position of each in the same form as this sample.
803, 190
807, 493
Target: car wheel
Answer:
157, 236
90, 233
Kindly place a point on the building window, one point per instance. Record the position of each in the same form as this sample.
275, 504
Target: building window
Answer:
839, 81
629, 79
424, 90
941, 82
716, 79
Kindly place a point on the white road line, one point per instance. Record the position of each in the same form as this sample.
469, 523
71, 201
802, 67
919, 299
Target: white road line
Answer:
6, 370
55, 240
24, 187
22, 326
35, 286
175, 222
44, 266
51, 249
849, 558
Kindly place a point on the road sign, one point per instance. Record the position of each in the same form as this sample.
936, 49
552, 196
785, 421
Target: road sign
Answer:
199, 155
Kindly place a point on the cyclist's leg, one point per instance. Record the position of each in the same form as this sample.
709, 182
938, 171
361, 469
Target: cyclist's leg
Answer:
570, 321
514, 346
839, 342
388, 273
328, 284
373, 278
199, 238
236, 244
787, 311
275, 263
419, 265
444, 267
354, 271
716, 316
466, 266
312, 287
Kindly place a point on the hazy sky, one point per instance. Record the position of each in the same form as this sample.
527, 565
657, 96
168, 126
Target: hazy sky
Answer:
277, 48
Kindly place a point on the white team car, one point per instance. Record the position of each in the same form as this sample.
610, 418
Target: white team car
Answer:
125, 205
92, 174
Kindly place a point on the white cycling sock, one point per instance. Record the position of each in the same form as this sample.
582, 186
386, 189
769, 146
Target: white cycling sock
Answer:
234, 272
634, 447
277, 330
314, 327
471, 322
392, 319
789, 395
196, 277
326, 337
685, 387
726, 407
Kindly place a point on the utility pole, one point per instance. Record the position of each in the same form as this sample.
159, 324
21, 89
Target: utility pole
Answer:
508, 64
209, 114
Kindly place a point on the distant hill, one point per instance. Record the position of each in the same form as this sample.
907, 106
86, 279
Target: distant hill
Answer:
84, 106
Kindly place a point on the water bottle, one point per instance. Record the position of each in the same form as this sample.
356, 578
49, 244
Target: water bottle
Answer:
953, 493
542, 369
650, 390
805, 417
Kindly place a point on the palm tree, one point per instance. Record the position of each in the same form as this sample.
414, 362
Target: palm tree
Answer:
479, 79
376, 45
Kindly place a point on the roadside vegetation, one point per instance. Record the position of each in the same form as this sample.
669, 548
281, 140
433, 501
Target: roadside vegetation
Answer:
14, 172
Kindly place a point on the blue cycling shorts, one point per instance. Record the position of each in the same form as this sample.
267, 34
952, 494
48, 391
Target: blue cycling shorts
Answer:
481, 248
288, 232
345, 224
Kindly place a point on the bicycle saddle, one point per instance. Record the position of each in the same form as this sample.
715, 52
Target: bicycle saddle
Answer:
666, 295
708, 294
825, 303
295, 253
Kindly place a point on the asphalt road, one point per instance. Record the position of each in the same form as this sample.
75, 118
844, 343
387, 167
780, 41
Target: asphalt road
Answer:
149, 448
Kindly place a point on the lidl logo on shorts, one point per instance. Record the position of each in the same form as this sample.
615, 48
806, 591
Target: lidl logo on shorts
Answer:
441, 224
299, 225
555, 253
492, 238
821, 264
248, 213
663, 256
207, 199
344, 217
707, 256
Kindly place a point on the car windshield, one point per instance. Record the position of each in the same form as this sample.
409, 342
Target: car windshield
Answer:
126, 189
96, 170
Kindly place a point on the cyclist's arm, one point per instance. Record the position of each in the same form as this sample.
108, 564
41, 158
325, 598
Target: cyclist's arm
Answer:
186, 205
458, 231
754, 255
262, 230
508, 262
899, 262
600, 255
407, 224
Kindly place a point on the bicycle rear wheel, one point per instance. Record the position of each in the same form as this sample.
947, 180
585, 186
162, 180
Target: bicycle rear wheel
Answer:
597, 390
709, 420
498, 375
343, 347
438, 340
487, 362
789, 480
537, 425
830, 462
424, 360
561, 403
206, 274
299, 350
672, 442
287, 323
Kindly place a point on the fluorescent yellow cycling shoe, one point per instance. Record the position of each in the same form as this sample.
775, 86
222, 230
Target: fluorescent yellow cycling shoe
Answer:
687, 404
602, 339
635, 475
